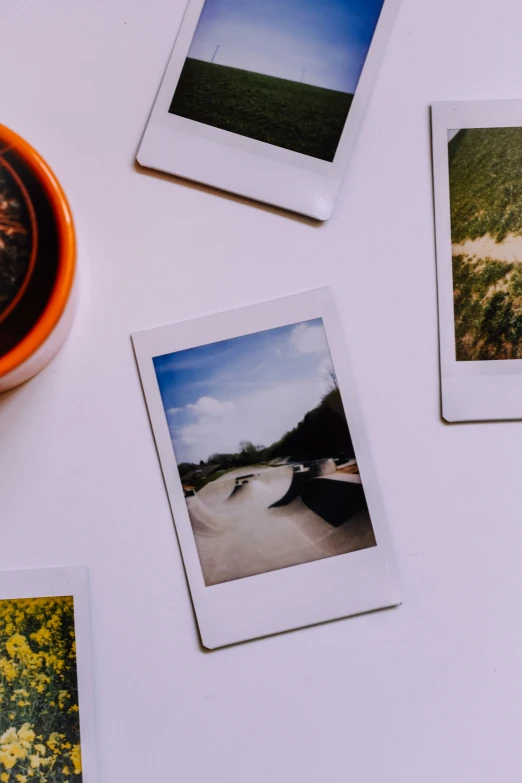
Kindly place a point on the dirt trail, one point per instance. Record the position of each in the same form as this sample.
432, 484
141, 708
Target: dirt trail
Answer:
510, 249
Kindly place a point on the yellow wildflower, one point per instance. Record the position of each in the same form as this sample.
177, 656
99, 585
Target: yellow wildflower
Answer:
11, 753
26, 735
9, 736
76, 758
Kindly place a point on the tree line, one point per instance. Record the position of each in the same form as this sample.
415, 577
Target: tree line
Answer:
323, 432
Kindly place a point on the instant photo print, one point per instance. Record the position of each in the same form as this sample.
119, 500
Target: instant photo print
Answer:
477, 160
46, 710
268, 468
265, 99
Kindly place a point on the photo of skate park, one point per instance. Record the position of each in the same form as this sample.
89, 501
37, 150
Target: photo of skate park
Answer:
264, 452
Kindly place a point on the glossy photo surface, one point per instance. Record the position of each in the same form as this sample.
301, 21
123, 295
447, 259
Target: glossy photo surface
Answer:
264, 451
280, 71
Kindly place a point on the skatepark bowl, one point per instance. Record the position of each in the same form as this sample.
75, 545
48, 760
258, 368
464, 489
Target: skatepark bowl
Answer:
275, 517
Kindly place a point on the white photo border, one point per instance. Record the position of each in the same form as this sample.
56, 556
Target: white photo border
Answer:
245, 166
471, 390
291, 597
50, 583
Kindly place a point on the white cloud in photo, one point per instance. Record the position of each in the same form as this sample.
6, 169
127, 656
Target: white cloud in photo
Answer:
261, 417
210, 407
309, 338
253, 388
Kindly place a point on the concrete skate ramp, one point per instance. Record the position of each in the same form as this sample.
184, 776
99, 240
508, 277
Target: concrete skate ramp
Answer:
272, 476
252, 494
276, 480
294, 490
322, 468
205, 521
350, 478
357, 533
216, 492
334, 501
211, 532
300, 480
246, 532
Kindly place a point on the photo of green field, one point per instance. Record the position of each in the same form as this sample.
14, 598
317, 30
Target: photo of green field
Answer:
485, 167
282, 72
289, 114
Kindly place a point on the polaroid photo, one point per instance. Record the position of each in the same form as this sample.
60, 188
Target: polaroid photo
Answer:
46, 689
268, 468
477, 162
265, 99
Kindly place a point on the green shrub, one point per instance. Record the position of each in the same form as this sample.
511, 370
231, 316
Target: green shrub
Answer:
488, 309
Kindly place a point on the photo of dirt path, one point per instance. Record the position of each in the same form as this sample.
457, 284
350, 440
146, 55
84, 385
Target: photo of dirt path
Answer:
485, 166
264, 452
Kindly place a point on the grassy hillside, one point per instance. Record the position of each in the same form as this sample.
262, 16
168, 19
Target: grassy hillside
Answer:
288, 114
486, 183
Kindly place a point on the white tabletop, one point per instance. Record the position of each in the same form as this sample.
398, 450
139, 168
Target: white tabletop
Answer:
427, 692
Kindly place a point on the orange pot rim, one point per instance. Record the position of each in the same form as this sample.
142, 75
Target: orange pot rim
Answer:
58, 299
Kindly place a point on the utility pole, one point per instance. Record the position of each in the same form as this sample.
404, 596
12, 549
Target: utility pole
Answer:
302, 75
214, 55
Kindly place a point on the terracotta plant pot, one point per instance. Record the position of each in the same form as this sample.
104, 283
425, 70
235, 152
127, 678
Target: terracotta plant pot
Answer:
37, 262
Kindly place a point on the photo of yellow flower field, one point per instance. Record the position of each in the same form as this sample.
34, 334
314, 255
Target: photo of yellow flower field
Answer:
39, 712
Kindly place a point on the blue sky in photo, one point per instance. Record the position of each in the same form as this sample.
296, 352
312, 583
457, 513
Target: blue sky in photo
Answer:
253, 388
327, 39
